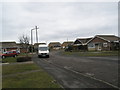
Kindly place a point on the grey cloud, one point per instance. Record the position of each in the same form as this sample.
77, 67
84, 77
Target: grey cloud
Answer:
57, 21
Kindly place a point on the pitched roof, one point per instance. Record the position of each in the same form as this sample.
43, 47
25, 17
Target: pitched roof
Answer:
83, 40
67, 43
40, 43
108, 37
54, 44
9, 44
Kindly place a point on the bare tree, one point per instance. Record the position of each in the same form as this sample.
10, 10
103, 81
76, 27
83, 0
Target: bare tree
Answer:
24, 41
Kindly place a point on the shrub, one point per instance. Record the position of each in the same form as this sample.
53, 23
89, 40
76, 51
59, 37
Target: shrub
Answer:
69, 48
23, 59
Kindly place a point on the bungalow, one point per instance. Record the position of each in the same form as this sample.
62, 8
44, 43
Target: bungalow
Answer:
81, 44
7, 46
22, 48
55, 45
104, 42
66, 44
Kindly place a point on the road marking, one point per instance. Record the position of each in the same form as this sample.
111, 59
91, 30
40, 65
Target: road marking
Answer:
90, 74
90, 77
93, 78
47, 61
66, 67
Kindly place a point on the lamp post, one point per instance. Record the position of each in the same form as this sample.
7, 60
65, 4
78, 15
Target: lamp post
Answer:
31, 41
32, 37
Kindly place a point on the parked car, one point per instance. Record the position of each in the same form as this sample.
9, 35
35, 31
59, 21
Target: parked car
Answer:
8, 54
17, 51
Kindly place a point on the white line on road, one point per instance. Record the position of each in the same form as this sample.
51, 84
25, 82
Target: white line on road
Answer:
93, 78
84, 75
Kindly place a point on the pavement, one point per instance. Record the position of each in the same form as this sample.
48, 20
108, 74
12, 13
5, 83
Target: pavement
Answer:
81, 72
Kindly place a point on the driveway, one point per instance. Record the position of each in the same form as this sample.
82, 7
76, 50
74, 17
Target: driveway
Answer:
81, 72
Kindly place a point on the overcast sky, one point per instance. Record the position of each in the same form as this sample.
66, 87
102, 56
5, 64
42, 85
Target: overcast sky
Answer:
58, 21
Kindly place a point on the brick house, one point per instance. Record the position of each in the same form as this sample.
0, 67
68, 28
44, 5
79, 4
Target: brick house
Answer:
7, 46
66, 44
54, 45
104, 42
22, 49
81, 43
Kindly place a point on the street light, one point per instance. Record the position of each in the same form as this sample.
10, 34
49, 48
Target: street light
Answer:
32, 40
36, 34
32, 36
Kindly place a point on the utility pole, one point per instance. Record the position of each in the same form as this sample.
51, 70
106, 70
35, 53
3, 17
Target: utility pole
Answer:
32, 37
31, 41
36, 34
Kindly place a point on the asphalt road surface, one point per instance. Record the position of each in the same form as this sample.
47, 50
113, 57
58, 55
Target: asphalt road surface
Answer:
81, 72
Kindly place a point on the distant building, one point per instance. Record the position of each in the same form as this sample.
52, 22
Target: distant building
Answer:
36, 45
7, 46
55, 45
22, 48
66, 44
81, 43
104, 42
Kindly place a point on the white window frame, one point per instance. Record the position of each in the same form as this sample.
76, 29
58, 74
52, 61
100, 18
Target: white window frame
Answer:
105, 44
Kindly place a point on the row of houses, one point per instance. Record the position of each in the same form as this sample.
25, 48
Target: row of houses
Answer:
7, 46
96, 43
99, 42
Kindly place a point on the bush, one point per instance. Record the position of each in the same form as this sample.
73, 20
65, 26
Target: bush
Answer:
23, 59
69, 48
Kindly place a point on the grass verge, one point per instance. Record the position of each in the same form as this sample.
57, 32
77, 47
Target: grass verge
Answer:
20, 79
14, 59
100, 53
9, 59
11, 69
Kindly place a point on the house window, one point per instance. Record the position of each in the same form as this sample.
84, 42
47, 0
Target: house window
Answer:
91, 45
105, 44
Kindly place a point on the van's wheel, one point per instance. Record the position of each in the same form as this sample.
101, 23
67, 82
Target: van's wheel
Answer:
48, 56
38, 56
3, 57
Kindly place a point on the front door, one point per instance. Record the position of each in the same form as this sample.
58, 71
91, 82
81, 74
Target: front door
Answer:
98, 47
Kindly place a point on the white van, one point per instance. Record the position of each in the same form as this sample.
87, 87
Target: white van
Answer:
43, 51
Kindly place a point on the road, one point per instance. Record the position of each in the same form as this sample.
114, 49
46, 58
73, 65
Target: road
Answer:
81, 72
